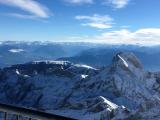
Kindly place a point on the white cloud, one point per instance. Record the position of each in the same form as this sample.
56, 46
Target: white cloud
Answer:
117, 3
148, 36
80, 1
144, 37
22, 16
96, 21
31, 6
114, 3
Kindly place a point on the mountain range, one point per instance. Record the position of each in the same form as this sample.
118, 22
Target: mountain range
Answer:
123, 90
96, 55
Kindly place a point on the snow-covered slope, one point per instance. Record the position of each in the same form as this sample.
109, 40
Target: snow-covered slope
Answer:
124, 90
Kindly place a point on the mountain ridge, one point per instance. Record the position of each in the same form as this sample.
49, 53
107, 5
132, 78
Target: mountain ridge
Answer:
124, 90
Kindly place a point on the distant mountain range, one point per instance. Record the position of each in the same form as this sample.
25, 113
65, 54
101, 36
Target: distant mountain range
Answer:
96, 55
102, 56
21, 52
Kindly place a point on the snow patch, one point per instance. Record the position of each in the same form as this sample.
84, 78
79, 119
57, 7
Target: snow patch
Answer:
112, 105
124, 62
18, 73
84, 66
16, 50
84, 76
51, 62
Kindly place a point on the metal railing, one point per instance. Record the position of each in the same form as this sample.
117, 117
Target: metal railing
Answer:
28, 113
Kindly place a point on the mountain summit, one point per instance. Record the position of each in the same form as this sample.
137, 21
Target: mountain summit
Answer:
124, 90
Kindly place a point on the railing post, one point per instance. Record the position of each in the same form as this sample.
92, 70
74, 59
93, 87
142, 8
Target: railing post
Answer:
17, 117
5, 115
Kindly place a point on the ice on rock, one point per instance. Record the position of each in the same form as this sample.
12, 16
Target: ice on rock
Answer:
18, 73
125, 63
84, 76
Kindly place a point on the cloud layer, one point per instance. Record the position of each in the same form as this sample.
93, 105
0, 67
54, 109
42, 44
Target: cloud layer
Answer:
144, 37
31, 6
114, 3
79, 1
96, 21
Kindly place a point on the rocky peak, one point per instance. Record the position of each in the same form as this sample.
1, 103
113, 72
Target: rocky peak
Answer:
126, 59
124, 82
127, 64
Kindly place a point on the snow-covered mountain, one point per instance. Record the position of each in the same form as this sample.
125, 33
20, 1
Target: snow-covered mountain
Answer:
122, 91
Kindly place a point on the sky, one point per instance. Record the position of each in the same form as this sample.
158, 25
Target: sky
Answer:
98, 21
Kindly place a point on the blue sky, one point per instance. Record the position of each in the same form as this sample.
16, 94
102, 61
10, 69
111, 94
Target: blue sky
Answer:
103, 21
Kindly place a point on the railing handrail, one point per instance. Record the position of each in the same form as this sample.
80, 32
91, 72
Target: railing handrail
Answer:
30, 113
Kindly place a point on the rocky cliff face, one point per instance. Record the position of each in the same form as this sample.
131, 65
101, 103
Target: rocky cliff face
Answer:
124, 90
